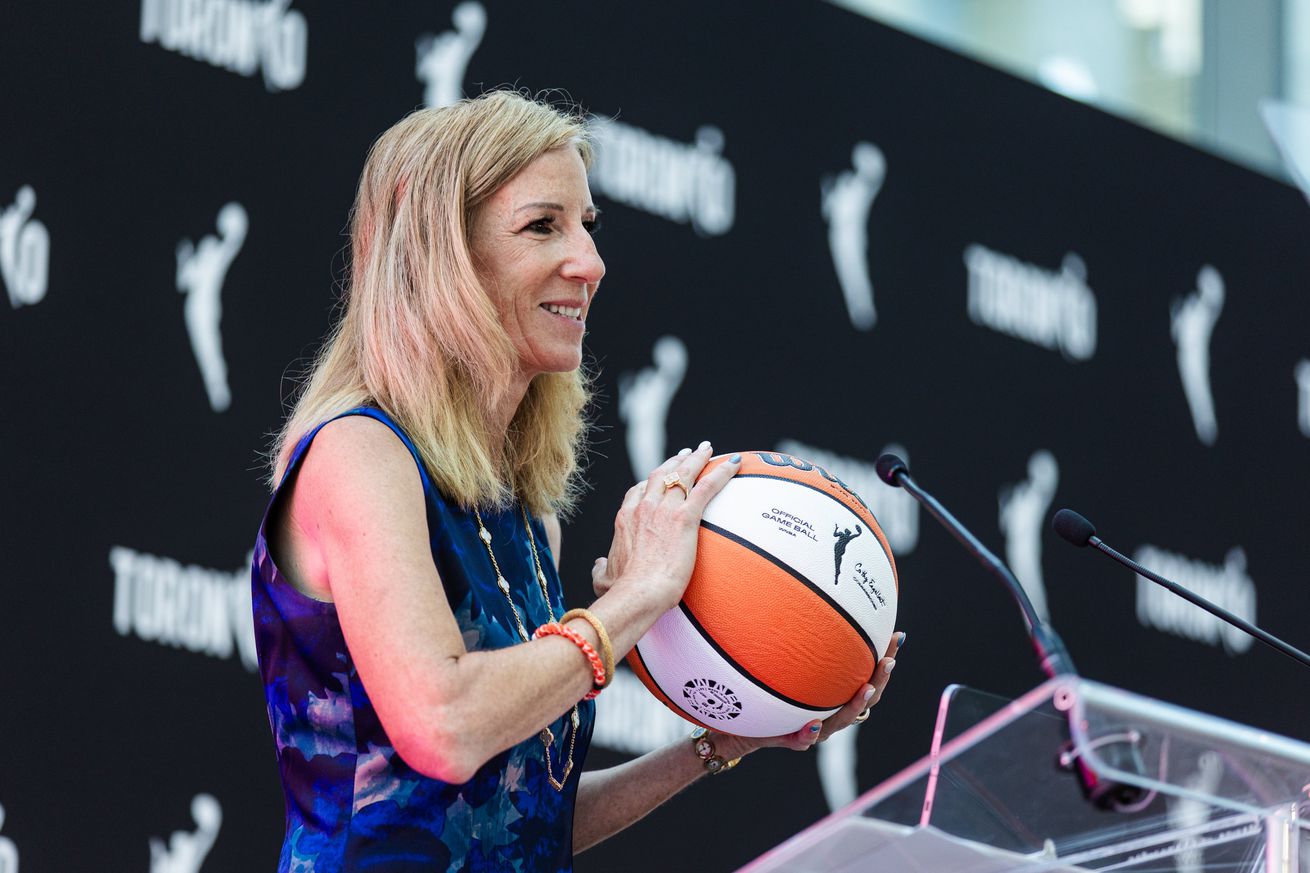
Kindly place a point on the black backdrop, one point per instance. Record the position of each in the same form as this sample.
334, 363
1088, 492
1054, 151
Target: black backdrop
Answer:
130, 502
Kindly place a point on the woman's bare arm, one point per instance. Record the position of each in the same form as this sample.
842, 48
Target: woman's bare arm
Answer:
359, 502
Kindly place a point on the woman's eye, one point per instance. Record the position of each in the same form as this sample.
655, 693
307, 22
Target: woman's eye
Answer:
591, 225
542, 225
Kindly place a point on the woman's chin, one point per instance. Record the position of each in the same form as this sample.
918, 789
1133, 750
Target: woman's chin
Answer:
565, 362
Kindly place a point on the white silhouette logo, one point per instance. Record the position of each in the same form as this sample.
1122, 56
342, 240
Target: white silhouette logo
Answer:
644, 399
845, 203
1302, 375
200, 273
1226, 584
1191, 322
836, 763
202, 610
1023, 511
1186, 813
8, 851
186, 850
1054, 310
443, 58
24, 250
687, 183
242, 36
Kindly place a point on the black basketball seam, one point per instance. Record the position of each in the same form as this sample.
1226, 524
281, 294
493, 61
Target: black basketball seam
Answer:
885, 550
791, 571
692, 716
772, 692
799, 577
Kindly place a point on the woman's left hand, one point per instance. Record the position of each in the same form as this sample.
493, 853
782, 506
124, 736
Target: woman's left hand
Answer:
865, 697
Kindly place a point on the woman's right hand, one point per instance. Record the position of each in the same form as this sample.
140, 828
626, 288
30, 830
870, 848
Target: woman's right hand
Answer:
655, 531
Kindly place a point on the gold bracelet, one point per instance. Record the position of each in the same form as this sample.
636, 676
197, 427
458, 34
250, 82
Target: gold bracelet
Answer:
606, 650
704, 749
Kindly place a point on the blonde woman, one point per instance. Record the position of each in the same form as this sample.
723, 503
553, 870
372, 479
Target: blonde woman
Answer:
428, 692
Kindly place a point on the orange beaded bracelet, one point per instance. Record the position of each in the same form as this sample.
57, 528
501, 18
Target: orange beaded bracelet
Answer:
597, 665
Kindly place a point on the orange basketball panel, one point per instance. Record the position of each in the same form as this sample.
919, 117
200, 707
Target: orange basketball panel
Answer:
774, 626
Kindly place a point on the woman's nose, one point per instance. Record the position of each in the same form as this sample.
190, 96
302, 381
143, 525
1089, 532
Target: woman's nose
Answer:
584, 263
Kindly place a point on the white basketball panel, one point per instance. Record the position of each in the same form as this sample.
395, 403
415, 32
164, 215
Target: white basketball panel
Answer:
698, 679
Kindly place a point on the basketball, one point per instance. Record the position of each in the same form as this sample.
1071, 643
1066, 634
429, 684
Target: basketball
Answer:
791, 604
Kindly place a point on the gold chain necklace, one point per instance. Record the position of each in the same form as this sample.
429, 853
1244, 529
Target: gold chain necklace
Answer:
547, 736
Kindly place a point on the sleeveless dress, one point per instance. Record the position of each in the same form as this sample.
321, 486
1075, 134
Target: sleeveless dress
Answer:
351, 802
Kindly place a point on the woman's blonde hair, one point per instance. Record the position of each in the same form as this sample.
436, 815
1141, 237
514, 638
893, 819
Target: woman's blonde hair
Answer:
420, 338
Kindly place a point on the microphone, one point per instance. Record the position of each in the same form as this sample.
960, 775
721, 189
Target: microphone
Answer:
1120, 751
1079, 531
1052, 656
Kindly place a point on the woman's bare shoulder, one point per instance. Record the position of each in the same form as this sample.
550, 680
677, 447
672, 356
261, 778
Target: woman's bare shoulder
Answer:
357, 484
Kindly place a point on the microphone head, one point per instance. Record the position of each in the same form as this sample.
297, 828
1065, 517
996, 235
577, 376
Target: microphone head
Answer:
888, 465
1073, 527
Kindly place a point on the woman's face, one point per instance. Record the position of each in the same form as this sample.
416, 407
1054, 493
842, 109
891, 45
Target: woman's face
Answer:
531, 242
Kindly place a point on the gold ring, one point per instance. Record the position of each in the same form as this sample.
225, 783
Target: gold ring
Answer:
674, 480
862, 717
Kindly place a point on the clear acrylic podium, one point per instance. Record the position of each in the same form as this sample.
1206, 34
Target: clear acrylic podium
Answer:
994, 795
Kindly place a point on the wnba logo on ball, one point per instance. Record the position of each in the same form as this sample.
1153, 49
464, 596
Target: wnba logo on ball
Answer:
711, 699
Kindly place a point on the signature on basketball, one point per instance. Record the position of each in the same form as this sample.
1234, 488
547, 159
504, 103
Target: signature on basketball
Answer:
870, 590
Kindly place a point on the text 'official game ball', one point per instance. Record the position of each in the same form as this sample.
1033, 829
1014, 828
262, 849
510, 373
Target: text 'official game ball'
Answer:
791, 604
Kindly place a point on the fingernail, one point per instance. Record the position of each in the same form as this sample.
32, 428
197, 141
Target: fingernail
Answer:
900, 643
891, 665
736, 459
814, 728
704, 444
684, 452
868, 695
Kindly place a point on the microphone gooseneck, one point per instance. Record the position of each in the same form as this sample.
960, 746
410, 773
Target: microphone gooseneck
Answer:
1052, 656
1070, 525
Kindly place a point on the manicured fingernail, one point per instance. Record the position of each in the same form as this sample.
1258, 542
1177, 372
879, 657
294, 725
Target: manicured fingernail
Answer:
736, 459
891, 665
814, 728
684, 452
704, 444
868, 695
900, 643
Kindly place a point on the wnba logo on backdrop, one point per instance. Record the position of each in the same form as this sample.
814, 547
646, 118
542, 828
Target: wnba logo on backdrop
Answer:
690, 183
443, 58
8, 851
1023, 509
1226, 584
1189, 812
1191, 323
201, 270
24, 250
202, 610
1302, 375
1054, 310
186, 851
243, 36
644, 399
845, 202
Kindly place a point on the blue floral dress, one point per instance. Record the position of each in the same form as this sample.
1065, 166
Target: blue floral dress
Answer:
351, 802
